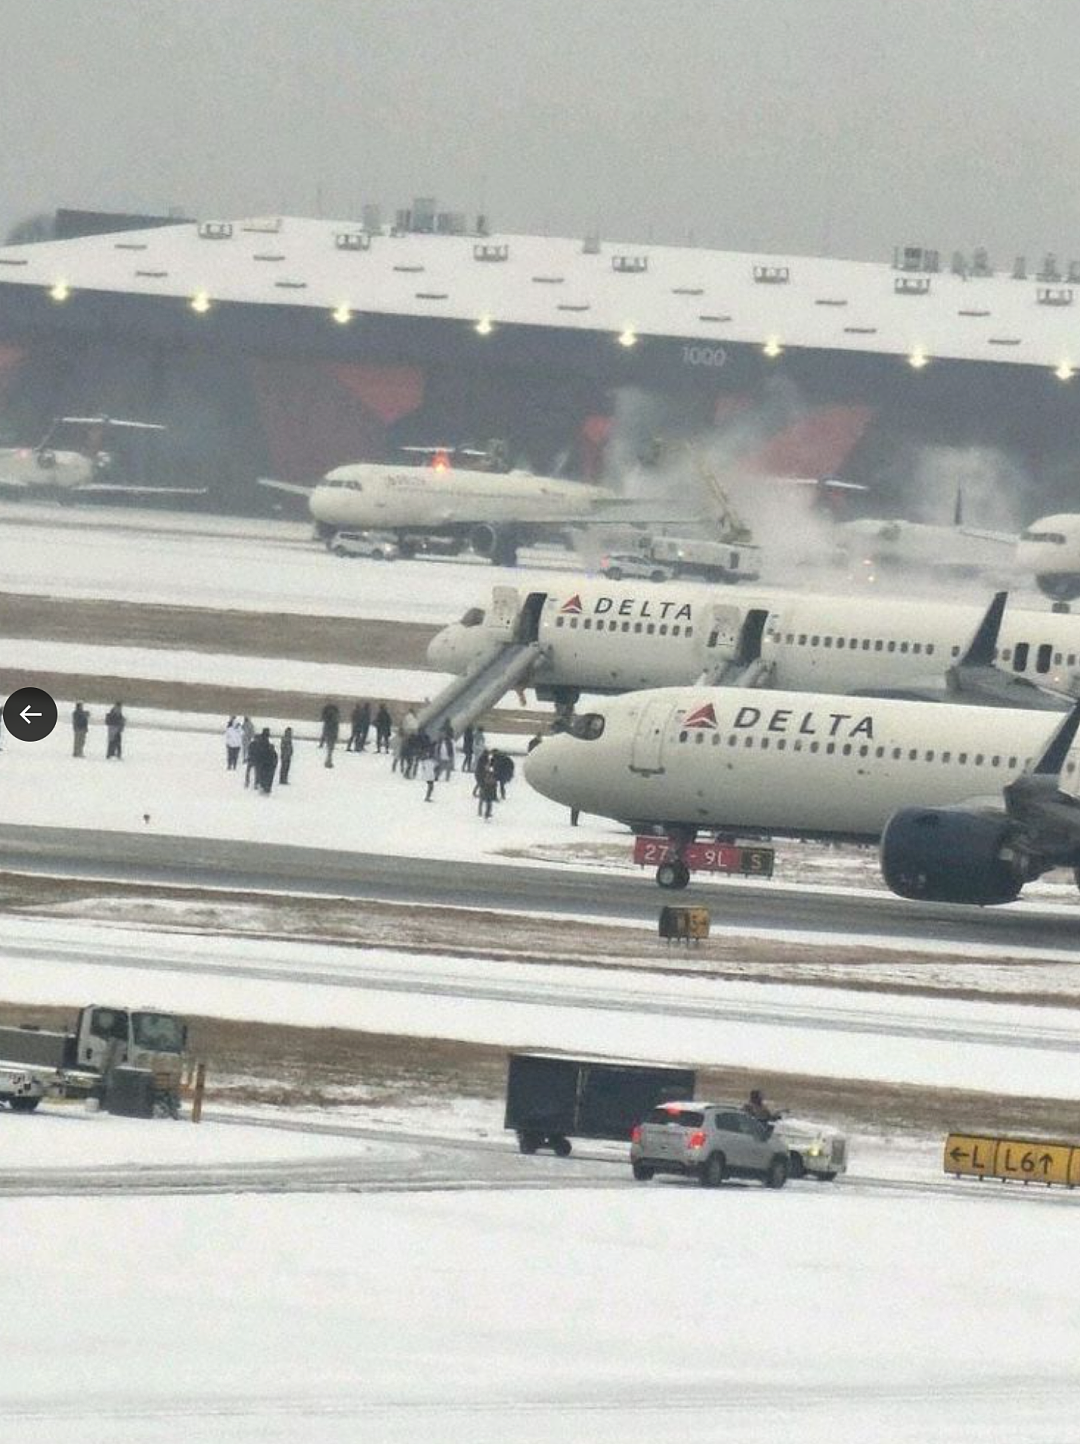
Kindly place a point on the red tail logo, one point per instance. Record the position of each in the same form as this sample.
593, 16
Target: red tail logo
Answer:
701, 717
573, 605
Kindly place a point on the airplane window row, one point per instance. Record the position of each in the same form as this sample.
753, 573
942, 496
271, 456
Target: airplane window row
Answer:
343, 483
849, 749
1044, 655
613, 625
854, 644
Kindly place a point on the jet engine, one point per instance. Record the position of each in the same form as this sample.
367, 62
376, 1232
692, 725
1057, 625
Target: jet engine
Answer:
938, 854
494, 542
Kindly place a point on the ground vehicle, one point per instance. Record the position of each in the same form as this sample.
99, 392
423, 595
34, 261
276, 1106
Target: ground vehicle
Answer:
634, 564
815, 1152
716, 561
36, 1063
378, 545
550, 1097
708, 1141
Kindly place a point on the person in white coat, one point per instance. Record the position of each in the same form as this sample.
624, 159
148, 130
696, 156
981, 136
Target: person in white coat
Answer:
428, 773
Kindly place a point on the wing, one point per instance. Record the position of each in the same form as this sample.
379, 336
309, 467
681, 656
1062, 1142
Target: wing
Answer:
295, 488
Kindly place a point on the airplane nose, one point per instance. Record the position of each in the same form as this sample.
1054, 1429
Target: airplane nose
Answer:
440, 650
549, 768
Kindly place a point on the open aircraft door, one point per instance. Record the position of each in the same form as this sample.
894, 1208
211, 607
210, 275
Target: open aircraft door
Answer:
647, 750
505, 605
725, 633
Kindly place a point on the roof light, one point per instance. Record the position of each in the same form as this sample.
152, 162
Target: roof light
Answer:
918, 359
200, 302
772, 348
60, 292
484, 326
342, 315
628, 337
1064, 372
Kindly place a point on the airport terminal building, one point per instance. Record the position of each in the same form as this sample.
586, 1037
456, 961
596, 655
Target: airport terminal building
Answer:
285, 346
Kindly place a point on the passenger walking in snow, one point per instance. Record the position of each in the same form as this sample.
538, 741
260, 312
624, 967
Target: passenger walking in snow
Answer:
247, 735
479, 743
115, 722
467, 743
286, 755
429, 773
444, 752
331, 723
363, 727
80, 725
487, 786
264, 754
353, 744
384, 725
504, 771
398, 749
234, 741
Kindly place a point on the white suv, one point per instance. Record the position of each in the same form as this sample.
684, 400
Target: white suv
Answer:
710, 1142
379, 545
633, 564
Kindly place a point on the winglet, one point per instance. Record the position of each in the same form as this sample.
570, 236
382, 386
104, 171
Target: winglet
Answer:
981, 649
1057, 749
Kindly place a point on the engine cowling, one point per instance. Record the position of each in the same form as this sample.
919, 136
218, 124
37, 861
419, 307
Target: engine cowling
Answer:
494, 542
936, 854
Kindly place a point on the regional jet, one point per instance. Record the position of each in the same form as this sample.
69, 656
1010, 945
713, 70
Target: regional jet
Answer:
968, 804
95, 456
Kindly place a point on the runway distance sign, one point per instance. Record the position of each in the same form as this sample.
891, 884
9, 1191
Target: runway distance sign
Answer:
1021, 1159
727, 857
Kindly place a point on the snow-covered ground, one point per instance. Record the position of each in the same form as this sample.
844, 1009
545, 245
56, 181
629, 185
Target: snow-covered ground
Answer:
263, 566
660, 1313
940, 1042
177, 780
223, 670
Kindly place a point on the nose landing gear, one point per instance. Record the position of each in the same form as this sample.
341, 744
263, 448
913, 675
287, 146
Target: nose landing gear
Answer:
673, 874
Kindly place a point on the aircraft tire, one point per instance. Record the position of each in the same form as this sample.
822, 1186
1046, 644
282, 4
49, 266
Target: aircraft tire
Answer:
673, 875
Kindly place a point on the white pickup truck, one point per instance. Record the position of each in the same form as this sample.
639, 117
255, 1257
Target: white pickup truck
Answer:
36, 1063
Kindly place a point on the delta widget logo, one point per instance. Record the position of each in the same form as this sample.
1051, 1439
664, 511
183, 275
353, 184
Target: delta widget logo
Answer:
701, 717
573, 605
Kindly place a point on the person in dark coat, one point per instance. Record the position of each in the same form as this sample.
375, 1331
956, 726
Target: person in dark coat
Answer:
504, 772
467, 743
286, 756
115, 722
487, 786
444, 752
264, 755
80, 725
331, 723
384, 726
757, 1108
363, 726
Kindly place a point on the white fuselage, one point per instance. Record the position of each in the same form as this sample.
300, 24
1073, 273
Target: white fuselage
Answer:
785, 763
41, 470
1050, 550
368, 496
616, 636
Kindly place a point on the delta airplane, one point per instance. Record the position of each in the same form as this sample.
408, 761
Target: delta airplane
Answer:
609, 637
968, 804
487, 506
84, 455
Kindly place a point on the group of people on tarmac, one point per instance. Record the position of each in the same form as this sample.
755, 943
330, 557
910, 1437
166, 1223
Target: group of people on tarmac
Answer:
261, 760
415, 753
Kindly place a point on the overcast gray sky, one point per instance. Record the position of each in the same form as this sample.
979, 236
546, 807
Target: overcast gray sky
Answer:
824, 126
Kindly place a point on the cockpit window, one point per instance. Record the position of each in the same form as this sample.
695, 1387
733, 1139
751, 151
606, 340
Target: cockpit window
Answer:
474, 617
1055, 537
588, 727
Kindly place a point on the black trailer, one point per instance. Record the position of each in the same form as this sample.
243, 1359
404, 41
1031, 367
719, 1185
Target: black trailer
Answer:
551, 1098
